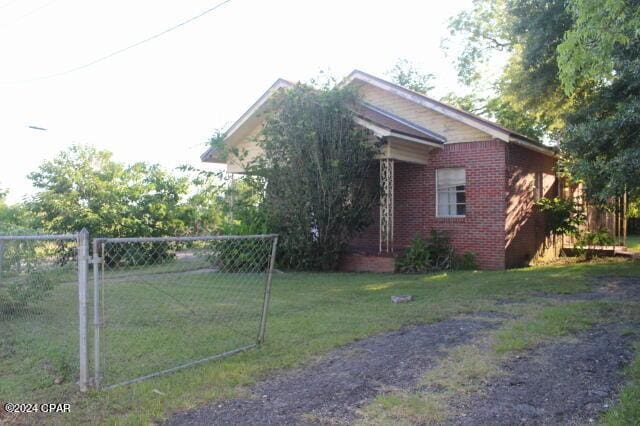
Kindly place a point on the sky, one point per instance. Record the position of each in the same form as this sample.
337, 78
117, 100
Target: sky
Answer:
161, 101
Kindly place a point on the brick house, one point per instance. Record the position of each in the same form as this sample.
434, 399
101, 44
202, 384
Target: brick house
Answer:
440, 168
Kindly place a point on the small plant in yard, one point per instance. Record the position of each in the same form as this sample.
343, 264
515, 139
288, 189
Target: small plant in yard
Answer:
416, 258
433, 254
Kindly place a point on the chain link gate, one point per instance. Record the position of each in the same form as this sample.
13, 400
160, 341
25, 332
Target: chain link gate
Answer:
43, 327
163, 304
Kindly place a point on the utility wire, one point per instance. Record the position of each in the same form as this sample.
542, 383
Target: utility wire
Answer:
124, 49
29, 13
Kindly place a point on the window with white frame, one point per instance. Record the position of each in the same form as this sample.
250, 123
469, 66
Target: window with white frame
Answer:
451, 200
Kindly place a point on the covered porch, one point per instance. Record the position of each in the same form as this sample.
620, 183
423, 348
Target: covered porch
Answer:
403, 144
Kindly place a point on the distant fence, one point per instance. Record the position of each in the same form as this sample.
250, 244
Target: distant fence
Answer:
122, 310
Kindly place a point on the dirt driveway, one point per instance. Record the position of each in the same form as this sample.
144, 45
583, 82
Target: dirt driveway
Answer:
567, 380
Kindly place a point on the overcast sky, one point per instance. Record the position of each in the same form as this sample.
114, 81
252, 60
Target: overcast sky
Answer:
161, 101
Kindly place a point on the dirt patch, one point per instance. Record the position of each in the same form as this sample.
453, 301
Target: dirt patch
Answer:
571, 381
562, 383
334, 387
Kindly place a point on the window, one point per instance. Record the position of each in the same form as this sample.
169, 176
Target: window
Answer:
451, 199
538, 187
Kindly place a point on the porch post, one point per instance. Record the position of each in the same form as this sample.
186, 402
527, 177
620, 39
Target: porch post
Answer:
386, 205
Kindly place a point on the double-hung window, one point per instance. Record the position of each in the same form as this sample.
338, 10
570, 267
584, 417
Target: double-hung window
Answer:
451, 200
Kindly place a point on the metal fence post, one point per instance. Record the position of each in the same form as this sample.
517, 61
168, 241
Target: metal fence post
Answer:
96, 262
267, 292
1, 257
83, 275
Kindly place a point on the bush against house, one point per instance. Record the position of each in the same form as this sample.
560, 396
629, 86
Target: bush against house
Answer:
316, 163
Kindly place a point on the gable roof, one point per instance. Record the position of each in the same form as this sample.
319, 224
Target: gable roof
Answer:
253, 109
370, 115
466, 117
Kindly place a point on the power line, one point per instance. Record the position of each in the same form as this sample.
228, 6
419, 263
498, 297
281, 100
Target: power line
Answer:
29, 13
124, 49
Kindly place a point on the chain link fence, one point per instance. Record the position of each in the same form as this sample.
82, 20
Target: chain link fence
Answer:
132, 309
39, 325
163, 304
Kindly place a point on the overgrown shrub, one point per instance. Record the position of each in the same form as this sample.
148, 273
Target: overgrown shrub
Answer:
562, 216
433, 254
601, 237
317, 164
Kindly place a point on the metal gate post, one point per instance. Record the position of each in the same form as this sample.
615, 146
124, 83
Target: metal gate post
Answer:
83, 275
267, 292
97, 324
1, 257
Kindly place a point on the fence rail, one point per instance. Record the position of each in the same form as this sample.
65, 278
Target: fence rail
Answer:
159, 304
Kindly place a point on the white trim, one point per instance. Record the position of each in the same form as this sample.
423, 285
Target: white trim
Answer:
383, 132
541, 149
279, 84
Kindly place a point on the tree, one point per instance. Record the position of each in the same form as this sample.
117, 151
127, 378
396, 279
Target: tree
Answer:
317, 165
601, 141
13, 218
602, 50
84, 188
406, 74
601, 28
573, 70
527, 97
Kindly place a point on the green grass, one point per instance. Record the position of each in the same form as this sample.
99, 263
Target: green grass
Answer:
627, 411
310, 314
554, 321
633, 242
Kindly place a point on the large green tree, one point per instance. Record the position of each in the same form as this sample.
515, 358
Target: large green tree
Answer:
317, 165
572, 74
85, 188
13, 217
601, 51
527, 97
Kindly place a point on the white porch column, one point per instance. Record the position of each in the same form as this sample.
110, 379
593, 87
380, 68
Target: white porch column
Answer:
386, 205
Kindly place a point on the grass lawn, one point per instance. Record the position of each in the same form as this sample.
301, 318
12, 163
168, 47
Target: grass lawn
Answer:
156, 323
633, 242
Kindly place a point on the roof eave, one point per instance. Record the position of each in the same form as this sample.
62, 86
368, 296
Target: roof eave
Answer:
279, 84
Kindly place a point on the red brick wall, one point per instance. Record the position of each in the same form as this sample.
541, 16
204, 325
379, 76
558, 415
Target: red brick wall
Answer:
482, 231
524, 226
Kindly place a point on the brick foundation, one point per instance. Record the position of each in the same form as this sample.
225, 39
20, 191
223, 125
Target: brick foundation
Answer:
363, 262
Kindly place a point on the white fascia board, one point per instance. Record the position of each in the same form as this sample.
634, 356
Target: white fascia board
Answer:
279, 84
